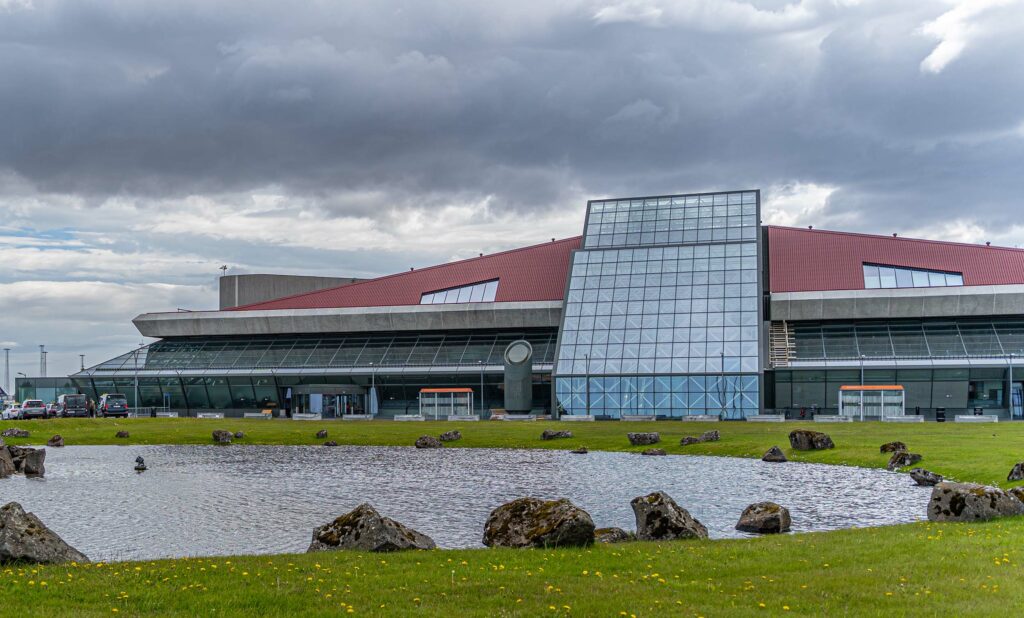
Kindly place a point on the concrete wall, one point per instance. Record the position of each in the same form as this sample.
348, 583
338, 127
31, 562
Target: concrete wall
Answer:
418, 318
237, 290
965, 301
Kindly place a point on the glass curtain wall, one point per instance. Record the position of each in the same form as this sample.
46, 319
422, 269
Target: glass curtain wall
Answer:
662, 311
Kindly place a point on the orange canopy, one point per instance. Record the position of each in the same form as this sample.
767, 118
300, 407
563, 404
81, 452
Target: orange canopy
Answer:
446, 390
872, 387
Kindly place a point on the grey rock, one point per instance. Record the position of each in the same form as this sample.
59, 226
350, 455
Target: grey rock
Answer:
222, 436
644, 438
552, 434
23, 538
14, 432
239, 435
450, 436
56, 441
688, 440
364, 529
613, 535
19, 455
1017, 492
892, 447
532, 522
140, 464
1017, 473
971, 502
34, 465
807, 440
321, 434
654, 451
710, 436
121, 434
6, 463
428, 442
659, 518
774, 455
579, 451
330, 443
924, 477
764, 518
902, 459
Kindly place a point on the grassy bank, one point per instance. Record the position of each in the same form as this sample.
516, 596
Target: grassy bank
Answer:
982, 453
913, 570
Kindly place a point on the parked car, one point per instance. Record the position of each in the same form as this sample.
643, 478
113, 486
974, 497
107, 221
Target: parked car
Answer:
11, 412
72, 405
33, 408
51, 410
113, 404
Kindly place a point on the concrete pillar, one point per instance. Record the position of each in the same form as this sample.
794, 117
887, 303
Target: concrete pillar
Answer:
519, 377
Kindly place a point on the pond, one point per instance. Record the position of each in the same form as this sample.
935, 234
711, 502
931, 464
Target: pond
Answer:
209, 500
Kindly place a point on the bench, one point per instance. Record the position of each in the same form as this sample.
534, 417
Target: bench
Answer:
357, 417
977, 418
518, 417
576, 417
906, 418
464, 417
832, 418
703, 418
260, 414
638, 417
409, 417
306, 416
209, 415
766, 418
167, 415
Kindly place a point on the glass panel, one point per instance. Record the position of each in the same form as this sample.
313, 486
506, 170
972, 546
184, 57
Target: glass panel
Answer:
920, 279
870, 276
873, 341
980, 340
490, 291
904, 278
908, 340
944, 340
954, 279
936, 280
477, 293
840, 341
887, 276
464, 295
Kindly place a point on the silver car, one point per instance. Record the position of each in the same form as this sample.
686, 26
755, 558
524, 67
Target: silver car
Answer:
33, 408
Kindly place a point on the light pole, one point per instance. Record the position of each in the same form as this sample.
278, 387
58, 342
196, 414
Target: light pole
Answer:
1011, 386
481, 363
7, 370
861, 387
81, 359
586, 381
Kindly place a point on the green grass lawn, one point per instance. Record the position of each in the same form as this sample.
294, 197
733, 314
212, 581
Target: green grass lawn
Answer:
918, 569
913, 570
982, 453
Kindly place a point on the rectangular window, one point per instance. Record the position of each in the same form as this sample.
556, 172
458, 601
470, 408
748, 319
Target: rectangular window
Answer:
880, 276
483, 292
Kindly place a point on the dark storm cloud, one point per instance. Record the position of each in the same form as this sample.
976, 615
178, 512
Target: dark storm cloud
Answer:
363, 107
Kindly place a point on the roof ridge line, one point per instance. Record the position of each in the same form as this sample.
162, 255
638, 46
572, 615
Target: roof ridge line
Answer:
908, 238
405, 272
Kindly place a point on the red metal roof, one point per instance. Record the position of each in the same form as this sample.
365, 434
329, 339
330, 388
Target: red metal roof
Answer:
804, 260
532, 273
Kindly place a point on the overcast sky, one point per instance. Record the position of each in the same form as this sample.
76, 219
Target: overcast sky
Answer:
145, 144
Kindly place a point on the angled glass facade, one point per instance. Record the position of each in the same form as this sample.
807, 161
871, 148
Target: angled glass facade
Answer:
662, 312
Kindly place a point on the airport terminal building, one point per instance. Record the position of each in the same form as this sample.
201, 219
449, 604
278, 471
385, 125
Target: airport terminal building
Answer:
670, 306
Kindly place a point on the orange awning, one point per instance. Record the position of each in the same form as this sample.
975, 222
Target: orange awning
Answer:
872, 387
446, 390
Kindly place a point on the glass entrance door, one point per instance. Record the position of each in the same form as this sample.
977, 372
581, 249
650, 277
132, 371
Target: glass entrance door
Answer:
1016, 407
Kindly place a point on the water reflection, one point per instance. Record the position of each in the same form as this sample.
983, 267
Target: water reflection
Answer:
208, 500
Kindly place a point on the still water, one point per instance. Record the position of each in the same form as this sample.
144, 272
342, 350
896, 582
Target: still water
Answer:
209, 500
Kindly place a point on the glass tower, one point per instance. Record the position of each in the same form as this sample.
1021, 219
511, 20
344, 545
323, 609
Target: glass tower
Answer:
662, 313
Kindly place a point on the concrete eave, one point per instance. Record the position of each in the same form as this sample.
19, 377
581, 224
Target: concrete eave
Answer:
419, 318
967, 301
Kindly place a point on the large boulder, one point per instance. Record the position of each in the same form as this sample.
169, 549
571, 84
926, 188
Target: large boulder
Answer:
365, 529
774, 455
121, 434
14, 432
330, 443
552, 434
971, 502
654, 451
23, 538
321, 434
710, 436
925, 478
902, 459
34, 462
613, 535
659, 518
532, 522
807, 440
222, 436
428, 442
892, 447
57, 441
582, 450
450, 436
1017, 473
6, 463
764, 518
644, 438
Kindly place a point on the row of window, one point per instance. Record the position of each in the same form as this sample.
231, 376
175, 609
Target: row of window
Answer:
476, 293
389, 351
674, 201
631, 226
661, 238
733, 396
877, 276
920, 339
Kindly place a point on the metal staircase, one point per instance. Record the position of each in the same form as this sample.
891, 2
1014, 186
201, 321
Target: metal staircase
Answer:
780, 344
